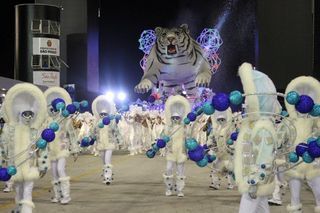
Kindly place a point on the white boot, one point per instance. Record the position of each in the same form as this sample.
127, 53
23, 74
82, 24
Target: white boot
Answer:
56, 192
107, 174
180, 183
8, 186
294, 209
26, 206
215, 181
65, 190
168, 180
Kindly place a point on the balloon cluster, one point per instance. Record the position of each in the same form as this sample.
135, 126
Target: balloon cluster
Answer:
307, 151
87, 141
107, 120
161, 143
303, 103
198, 153
220, 102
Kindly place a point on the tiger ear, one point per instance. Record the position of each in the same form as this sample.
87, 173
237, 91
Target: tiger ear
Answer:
158, 30
185, 27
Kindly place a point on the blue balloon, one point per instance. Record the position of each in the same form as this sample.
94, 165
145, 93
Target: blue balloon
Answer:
301, 148
292, 97
235, 97
4, 176
76, 104
118, 117
203, 162
314, 149
12, 170
230, 142
92, 141
197, 154
234, 136
307, 158
192, 116
54, 126
85, 142
60, 106
305, 104
166, 138
150, 153
221, 101
48, 135
186, 121
161, 143
315, 110
65, 113
41, 143
205, 146
151, 99
207, 108
211, 158
100, 125
191, 144
84, 103
71, 108
106, 120
311, 139
55, 102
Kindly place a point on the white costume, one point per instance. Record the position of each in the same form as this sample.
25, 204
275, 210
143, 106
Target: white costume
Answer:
65, 139
304, 125
108, 136
176, 108
222, 127
24, 111
256, 143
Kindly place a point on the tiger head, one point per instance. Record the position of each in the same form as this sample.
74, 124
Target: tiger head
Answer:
173, 41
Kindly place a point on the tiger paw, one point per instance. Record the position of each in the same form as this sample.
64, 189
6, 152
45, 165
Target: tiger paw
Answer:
144, 86
203, 80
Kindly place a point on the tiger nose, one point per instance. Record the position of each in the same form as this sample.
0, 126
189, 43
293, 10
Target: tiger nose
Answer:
170, 39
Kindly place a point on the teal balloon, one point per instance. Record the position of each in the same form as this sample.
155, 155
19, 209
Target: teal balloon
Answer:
84, 103
54, 126
155, 147
100, 125
284, 113
150, 153
230, 141
203, 162
76, 104
315, 110
318, 141
60, 106
191, 144
186, 121
292, 97
293, 157
12, 170
41, 143
235, 97
166, 138
65, 113
111, 117
207, 108
307, 157
211, 158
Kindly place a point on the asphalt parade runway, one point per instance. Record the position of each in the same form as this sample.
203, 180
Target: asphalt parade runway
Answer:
138, 187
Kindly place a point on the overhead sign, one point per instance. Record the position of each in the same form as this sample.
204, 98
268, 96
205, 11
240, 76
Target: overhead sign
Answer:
46, 78
46, 46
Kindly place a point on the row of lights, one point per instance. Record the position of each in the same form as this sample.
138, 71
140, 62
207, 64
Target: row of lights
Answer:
121, 96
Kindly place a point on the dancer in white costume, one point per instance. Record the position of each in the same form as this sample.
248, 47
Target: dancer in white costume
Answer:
256, 142
176, 108
66, 139
24, 111
106, 137
222, 127
306, 127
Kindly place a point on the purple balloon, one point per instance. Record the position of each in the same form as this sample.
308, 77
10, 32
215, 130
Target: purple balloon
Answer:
197, 154
192, 116
221, 101
305, 104
106, 120
234, 136
314, 149
301, 148
4, 176
161, 143
48, 135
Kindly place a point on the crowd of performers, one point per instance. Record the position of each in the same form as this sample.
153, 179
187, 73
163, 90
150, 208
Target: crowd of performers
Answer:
248, 138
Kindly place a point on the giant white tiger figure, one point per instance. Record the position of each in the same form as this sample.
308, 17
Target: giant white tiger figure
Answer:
177, 60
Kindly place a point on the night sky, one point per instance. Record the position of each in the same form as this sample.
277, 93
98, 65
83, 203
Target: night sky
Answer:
121, 25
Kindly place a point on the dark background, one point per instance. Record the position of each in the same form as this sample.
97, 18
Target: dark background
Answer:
281, 38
